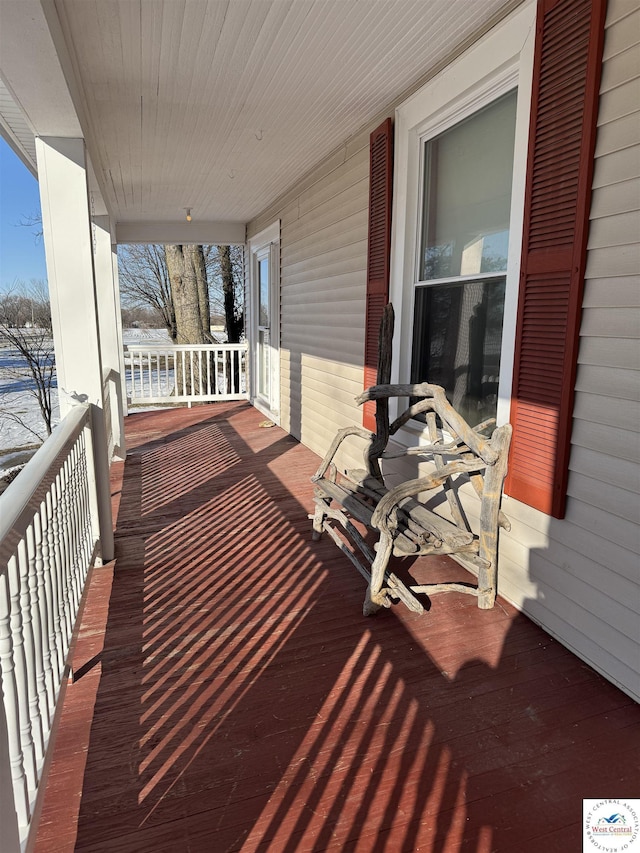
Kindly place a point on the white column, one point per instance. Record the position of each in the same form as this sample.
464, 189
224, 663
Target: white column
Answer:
110, 325
123, 374
70, 271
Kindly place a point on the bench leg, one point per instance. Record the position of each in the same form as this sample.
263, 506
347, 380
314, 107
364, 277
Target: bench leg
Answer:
487, 574
376, 597
319, 517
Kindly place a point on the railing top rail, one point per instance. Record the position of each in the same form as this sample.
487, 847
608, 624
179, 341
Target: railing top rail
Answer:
184, 347
25, 494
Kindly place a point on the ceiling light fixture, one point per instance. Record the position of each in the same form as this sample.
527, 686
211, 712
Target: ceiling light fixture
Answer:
188, 209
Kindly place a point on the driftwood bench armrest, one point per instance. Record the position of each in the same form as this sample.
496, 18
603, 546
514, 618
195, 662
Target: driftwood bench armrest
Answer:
335, 444
394, 497
454, 422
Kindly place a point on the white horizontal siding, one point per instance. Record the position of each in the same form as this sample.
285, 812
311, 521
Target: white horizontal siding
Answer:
613, 352
322, 296
608, 382
620, 443
619, 291
580, 577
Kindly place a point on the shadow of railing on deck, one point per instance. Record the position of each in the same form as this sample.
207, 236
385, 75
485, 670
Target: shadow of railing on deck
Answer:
245, 705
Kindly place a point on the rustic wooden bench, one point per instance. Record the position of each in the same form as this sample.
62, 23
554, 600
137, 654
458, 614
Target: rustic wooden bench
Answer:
421, 516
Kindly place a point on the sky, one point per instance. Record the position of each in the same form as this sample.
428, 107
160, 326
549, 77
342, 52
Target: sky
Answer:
21, 252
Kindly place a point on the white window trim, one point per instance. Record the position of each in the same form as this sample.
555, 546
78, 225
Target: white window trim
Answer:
256, 246
497, 63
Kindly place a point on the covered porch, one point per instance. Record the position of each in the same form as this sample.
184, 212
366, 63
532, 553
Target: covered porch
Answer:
229, 696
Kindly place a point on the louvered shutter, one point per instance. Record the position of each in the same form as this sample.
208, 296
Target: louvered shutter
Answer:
379, 251
560, 166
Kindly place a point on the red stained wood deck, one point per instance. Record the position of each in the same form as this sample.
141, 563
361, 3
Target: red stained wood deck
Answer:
229, 696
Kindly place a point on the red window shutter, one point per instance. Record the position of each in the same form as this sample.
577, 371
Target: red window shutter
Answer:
379, 252
566, 79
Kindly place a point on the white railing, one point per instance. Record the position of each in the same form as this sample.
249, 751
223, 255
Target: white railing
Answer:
185, 374
48, 539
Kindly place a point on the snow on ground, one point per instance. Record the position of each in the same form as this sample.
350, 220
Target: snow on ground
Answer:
17, 441
22, 427
145, 336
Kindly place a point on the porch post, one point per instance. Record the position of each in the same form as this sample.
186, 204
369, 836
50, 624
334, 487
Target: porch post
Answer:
110, 326
70, 270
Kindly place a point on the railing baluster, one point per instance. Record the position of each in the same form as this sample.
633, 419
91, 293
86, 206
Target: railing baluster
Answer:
56, 593
84, 508
141, 371
47, 692
83, 557
86, 505
60, 553
51, 593
20, 665
33, 661
12, 705
72, 523
66, 536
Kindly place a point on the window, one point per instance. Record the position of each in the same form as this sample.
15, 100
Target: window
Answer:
458, 207
464, 240
264, 331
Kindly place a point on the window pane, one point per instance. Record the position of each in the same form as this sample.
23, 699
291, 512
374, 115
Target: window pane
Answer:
263, 279
467, 194
456, 343
263, 363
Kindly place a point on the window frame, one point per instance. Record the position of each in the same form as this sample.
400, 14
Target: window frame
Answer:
499, 62
265, 245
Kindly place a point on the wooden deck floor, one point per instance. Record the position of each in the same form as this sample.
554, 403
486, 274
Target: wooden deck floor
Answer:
229, 696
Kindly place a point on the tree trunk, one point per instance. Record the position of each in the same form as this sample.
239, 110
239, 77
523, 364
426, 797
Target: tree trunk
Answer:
186, 268
233, 319
196, 256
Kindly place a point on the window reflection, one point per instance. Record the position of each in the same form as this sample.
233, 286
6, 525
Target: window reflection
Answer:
467, 194
456, 343
263, 279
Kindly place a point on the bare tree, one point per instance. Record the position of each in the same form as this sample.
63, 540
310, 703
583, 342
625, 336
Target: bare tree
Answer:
182, 280
25, 328
144, 280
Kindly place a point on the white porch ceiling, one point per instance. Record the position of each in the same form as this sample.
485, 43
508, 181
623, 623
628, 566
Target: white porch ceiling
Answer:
220, 105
